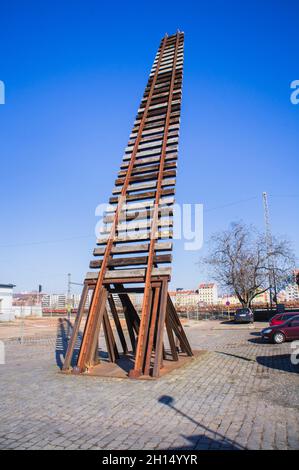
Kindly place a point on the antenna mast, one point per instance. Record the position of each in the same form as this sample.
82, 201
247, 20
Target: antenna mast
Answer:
269, 242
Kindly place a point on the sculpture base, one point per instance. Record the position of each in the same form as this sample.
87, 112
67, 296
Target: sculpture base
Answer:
121, 369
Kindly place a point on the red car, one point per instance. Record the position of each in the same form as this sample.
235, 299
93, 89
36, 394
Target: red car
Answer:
280, 318
288, 331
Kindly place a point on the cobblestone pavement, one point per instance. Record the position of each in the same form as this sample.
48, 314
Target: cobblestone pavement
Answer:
240, 394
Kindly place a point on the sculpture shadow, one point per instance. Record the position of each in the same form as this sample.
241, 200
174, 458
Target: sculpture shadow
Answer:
126, 361
200, 441
279, 362
64, 331
235, 355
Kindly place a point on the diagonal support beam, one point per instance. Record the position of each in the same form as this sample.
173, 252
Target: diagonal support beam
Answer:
118, 324
76, 327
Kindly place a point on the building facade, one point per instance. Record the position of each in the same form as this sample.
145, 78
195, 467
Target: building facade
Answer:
57, 301
289, 294
6, 307
208, 293
61, 301
184, 300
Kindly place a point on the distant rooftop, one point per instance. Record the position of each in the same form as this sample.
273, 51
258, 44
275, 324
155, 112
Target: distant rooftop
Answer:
183, 291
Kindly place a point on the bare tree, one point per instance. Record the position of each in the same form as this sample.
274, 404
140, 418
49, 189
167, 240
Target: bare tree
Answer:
239, 260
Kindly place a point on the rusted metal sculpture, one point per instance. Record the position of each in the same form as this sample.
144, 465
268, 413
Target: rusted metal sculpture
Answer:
139, 216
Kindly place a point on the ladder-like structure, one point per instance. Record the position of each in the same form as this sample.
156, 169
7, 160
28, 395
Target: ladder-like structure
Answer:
136, 236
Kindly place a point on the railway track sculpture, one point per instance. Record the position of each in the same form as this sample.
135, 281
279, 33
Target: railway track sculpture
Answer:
137, 237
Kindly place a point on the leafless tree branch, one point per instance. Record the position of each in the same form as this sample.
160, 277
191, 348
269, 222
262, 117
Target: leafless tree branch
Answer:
240, 261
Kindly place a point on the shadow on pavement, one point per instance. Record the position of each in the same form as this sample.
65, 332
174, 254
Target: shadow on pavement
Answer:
279, 362
234, 355
64, 331
257, 340
200, 441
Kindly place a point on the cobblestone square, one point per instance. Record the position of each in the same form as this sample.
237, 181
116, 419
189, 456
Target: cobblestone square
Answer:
242, 394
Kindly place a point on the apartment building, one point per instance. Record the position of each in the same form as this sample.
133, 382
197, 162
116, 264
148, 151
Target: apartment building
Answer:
208, 293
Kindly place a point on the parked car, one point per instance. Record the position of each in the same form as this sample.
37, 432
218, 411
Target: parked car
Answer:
244, 315
281, 318
288, 331
280, 308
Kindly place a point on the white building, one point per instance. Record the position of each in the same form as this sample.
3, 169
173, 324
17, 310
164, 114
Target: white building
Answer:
289, 294
60, 301
54, 301
208, 293
185, 299
6, 308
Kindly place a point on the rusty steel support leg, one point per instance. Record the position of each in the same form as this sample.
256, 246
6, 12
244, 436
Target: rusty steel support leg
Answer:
118, 324
160, 330
86, 356
126, 302
109, 337
76, 327
177, 328
152, 331
142, 341
164, 352
96, 359
129, 327
175, 325
172, 345
147, 326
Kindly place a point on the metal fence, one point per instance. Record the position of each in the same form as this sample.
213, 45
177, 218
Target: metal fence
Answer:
207, 315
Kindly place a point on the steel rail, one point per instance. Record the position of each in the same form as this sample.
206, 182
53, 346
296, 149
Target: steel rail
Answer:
138, 367
86, 340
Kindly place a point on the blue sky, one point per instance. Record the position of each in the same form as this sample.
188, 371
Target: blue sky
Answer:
75, 72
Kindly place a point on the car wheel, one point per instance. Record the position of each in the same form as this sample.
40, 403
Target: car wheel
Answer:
279, 337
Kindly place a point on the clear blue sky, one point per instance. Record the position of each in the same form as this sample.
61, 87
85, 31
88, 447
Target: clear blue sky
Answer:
75, 72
